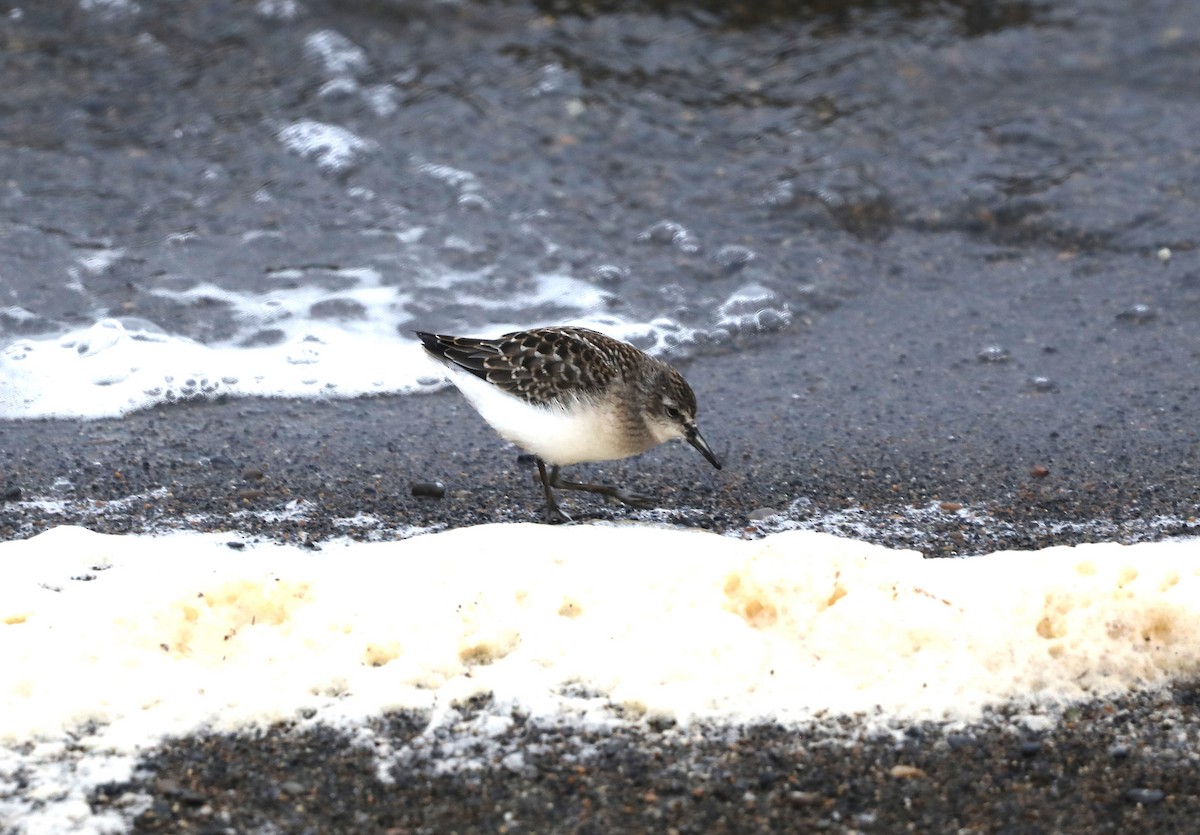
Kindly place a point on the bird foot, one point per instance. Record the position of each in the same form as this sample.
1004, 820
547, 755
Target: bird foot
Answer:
553, 515
633, 499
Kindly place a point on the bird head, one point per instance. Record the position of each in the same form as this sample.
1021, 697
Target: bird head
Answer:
671, 413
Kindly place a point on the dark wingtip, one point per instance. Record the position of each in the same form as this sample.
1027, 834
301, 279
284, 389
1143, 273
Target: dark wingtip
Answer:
457, 352
431, 342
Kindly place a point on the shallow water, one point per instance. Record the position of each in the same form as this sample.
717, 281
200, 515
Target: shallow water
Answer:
293, 180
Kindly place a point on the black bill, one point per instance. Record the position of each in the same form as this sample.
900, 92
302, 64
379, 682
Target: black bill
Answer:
693, 438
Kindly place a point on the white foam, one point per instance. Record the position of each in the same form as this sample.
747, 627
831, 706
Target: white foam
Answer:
278, 9
354, 346
110, 8
456, 178
679, 623
109, 643
99, 261
338, 55
371, 306
116, 367
332, 147
919, 526
753, 308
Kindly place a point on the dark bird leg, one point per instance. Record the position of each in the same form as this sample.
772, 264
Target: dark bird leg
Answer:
623, 496
553, 513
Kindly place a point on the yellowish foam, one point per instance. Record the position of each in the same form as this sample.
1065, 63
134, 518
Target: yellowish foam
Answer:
178, 631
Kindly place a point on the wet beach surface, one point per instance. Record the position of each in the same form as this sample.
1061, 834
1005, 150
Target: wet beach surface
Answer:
1107, 767
900, 467
971, 232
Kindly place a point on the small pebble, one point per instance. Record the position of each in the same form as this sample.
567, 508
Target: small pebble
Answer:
1039, 471
1031, 748
12, 494
762, 513
1164, 254
428, 489
172, 789
801, 799
994, 354
1144, 796
1138, 314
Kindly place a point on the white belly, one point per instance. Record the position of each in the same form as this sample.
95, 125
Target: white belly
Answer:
554, 434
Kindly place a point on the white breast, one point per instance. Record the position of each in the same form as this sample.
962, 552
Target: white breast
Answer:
586, 432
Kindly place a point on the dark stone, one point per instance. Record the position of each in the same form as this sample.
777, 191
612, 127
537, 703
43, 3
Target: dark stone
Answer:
428, 489
1144, 796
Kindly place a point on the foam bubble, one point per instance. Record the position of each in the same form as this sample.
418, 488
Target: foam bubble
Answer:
753, 308
332, 147
337, 54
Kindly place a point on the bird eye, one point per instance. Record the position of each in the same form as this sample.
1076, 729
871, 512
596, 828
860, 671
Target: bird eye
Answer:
672, 412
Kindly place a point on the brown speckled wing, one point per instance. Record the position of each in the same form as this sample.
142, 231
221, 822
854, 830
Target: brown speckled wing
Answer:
541, 365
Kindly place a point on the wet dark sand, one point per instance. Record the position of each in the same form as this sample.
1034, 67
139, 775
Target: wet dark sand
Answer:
1108, 766
1122, 766
819, 420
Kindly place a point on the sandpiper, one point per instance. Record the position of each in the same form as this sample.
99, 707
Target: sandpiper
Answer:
569, 395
